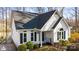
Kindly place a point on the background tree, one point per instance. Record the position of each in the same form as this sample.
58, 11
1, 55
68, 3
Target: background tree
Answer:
50, 8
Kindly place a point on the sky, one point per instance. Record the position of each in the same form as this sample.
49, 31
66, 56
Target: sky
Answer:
68, 11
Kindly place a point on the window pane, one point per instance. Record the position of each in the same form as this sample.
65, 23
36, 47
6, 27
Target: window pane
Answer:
25, 38
24, 34
21, 38
57, 35
35, 36
62, 35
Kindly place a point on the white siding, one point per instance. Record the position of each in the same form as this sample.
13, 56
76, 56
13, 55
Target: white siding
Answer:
29, 35
69, 31
61, 24
15, 35
50, 22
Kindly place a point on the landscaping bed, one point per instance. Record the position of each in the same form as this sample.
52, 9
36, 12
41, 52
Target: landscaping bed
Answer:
73, 47
48, 48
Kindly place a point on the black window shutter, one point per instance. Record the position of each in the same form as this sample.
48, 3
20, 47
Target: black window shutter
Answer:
31, 36
35, 36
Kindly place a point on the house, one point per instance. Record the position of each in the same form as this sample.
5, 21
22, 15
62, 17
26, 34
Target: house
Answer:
39, 28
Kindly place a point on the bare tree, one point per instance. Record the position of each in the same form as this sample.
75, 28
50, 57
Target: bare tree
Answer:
6, 21
76, 25
40, 9
61, 10
23, 9
50, 8
3, 19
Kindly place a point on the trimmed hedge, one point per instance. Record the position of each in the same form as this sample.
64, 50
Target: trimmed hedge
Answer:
22, 47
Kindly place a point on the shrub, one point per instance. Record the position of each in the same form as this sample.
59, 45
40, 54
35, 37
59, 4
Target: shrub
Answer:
22, 47
63, 42
29, 45
75, 36
71, 40
36, 46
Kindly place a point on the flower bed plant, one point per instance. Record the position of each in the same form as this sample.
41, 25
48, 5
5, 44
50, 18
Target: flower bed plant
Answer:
63, 42
29, 45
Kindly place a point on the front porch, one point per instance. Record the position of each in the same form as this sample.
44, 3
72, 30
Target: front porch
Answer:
46, 37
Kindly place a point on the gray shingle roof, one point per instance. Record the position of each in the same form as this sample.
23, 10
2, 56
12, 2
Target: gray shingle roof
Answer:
37, 22
22, 16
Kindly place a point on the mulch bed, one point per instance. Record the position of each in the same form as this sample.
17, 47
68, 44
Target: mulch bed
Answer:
50, 47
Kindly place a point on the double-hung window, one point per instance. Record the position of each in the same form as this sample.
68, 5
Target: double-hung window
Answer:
23, 37
33, 36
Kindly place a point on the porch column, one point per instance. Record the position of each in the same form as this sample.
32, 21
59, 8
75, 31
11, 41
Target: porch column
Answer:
41, 39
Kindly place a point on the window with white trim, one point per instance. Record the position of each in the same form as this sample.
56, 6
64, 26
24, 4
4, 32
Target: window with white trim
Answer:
61, 34
23, 37
33, 36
